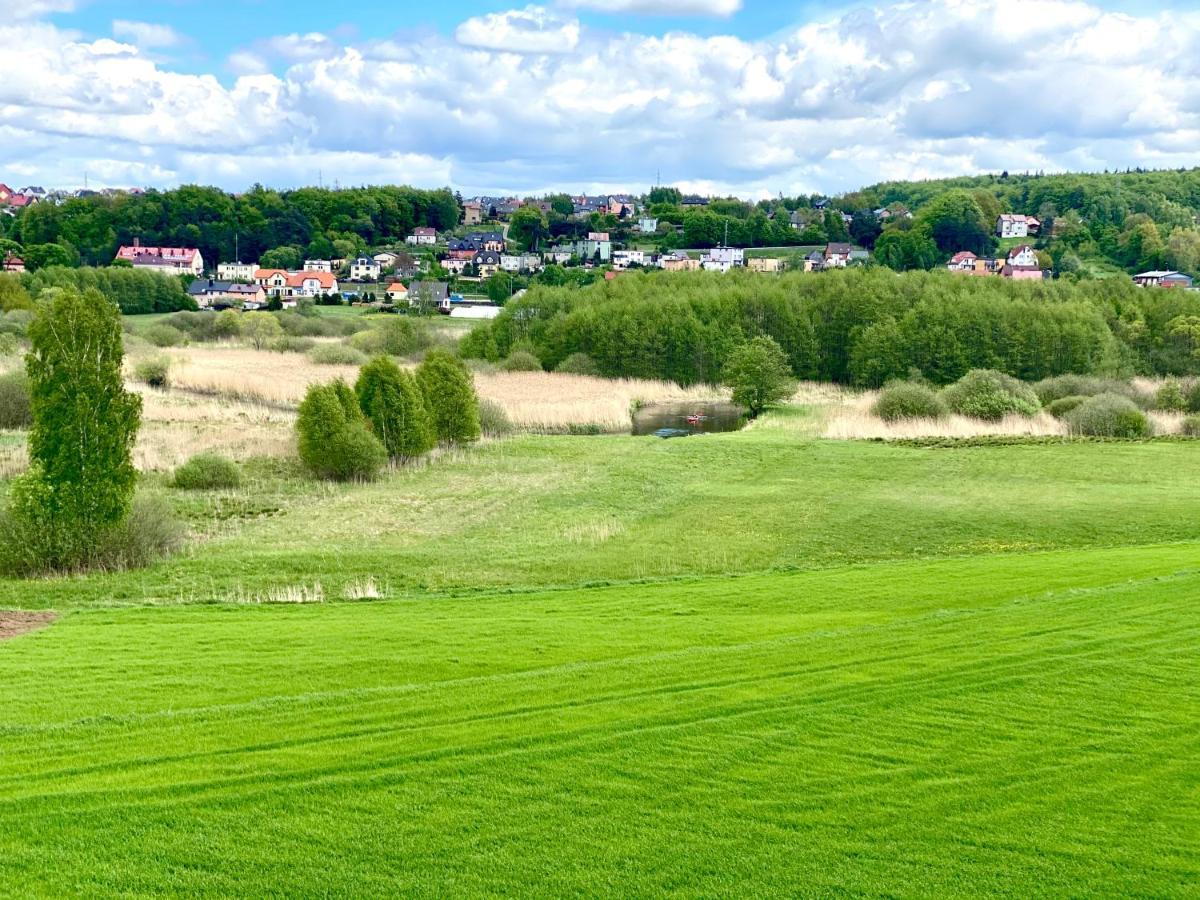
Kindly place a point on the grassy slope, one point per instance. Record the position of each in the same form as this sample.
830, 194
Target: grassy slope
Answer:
540, 512
1021, 725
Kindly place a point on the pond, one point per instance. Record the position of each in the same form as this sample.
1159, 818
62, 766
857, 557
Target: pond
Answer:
688, 418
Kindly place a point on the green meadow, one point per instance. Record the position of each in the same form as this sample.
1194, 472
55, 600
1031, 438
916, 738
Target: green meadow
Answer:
755, 664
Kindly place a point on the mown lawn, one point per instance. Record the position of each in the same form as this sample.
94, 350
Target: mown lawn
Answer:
1021, 725
743, 665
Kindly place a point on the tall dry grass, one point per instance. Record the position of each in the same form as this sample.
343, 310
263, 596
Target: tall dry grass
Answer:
251, 375
852, 420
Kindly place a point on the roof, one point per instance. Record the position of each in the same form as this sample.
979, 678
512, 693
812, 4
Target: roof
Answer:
263, 274
327, 281
839, 249
438, 290
428, 232
165, 255
397, 287
962, 256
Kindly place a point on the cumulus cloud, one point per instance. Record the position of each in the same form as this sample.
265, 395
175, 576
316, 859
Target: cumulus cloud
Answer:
146, 34
909, 90
533, 29
661, 7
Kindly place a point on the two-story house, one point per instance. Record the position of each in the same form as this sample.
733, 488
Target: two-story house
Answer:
364, 269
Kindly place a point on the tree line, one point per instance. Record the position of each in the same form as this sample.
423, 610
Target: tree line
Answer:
858, 326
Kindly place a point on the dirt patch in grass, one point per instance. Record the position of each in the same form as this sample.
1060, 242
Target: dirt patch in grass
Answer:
15, 624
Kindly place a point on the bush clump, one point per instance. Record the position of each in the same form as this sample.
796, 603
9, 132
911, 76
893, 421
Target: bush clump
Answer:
1192, 395
990, 395
1063, 406
155, 372
906, 400
521, 361
395, 407
578, 364
1191, 426
450, 397
393, 336
207, 472
336, 355
164, 335
16, 409
290, 344
493, 420
1171, 397
1062, 386
1109, 415
335, 440
9, 344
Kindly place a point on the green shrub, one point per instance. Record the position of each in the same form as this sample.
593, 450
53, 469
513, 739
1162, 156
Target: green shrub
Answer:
1171, 397
335, 441
906, 400
578, 364
1061, 407
395, 407
493, 420
207, 472
1192, 394
163, 335
990, 395
521, 361
336, 355
394, 336
16, 410
1061, 386
9, 346
1109, 415
450, 397
1191, 426
290, 344
156, 372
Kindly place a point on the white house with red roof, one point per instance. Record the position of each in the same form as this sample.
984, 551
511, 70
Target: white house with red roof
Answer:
12, 263
1012, 225
165, 260
6, 194
423, 237
1024, 256
311, 284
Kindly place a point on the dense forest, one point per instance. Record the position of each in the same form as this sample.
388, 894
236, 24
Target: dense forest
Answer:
317, 223
133, 291
860, 326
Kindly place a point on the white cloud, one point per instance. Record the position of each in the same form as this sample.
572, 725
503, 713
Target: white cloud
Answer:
920, 90
16, 10
146, 34
533, 29
661, 7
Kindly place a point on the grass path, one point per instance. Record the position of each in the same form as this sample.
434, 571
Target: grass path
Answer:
1022, 725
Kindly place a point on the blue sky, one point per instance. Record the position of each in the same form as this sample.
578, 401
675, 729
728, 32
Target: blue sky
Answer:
752, 97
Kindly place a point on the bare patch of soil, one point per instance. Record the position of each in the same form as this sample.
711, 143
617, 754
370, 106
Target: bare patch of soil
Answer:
15, 624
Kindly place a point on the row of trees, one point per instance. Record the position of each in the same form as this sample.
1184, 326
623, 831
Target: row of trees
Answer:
857, 326
318, 223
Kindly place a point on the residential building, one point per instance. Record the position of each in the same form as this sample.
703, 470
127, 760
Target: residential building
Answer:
558, 255
166, 260
6, 193
722, 259
364, 269
1014, 225
422, 237
486, 240
273, 281
1023, 256
236, 271
318, 265
597, 247
647, 225
836, 256
429, 295
693, 201
623, 259
209, 292
311, 284
680, 262
510, 262
472, 213
1163, 278
455, 266
486, 263
766, 264
397, 292
1022, 273
814, 262
13, 263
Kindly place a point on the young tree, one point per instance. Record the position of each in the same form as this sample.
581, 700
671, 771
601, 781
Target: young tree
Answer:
81, 480
759, 374
450, 397
333, 436
260, 329
395, 407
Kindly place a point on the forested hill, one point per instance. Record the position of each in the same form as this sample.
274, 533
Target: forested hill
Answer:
320, 223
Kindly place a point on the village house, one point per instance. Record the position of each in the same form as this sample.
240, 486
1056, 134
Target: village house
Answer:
1023, 256
13, 263
311, 284
165, 260
396, 293
520, 262
769, 265
318, 265
679, 262
364, 269
647, 225
558, 255
1012, 225
209, 292
472, 213
722, 259
487, 240
422, 237
1163, 279
455, 266
273, 281
623, 259
836, 256
1022, 265
429, 295
486, 263
596, 248
6, 193
236, 271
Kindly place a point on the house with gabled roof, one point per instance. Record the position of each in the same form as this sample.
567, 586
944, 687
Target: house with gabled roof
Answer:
165, 260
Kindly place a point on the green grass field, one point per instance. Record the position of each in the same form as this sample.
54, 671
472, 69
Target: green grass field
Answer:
747, 664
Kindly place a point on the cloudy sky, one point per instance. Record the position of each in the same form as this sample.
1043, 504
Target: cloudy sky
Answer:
753, 97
